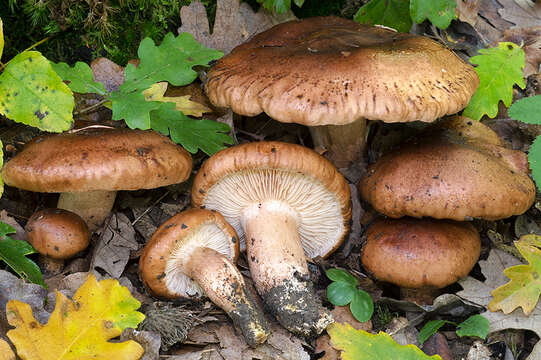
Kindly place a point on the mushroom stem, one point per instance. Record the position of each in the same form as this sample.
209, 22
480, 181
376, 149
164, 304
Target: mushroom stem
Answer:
344, 144
92, 206
224, 285
279, 269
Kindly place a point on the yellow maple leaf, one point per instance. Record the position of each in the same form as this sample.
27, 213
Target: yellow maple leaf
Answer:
78, 329
182, 103
524, 288
5, 351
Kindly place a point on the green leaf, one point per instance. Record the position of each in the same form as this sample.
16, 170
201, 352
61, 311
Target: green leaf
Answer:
341, 275
475, 325
430, 329
499, 68
340, 293
438, 12
279, 6
391, 13
133, 108
362, 306
192, 134
1, 164
33, 94
361, 345
13, 252
80, 77
534, 157
527, 110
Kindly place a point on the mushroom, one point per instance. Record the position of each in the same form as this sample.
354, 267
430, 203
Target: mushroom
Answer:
287, 203
194, 254
328, 71
458, 169
87, 167
423, 254
56, 234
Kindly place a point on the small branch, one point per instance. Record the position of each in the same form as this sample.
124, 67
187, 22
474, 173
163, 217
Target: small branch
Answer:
90, 108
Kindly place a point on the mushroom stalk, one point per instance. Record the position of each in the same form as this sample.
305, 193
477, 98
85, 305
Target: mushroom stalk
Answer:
92, 206
224, 285
344, 144
279, 269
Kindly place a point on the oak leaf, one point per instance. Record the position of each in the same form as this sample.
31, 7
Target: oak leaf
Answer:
182, 103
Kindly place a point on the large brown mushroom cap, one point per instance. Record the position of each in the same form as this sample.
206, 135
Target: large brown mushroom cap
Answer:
458, 170
98, 159
416, 253
329, 70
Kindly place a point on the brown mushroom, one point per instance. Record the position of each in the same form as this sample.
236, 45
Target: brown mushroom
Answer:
327, 71
458, 169
194, 254
88, 167
420, 253
56, 234
287, 203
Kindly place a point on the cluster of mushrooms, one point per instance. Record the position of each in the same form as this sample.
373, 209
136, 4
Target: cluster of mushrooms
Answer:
283, 203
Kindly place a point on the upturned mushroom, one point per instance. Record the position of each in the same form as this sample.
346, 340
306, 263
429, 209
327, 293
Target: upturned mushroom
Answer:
329, 71
57, 235
87, 167
194, 254
287, 203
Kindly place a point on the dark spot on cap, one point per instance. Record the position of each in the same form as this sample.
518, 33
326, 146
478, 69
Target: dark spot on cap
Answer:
183, 226
161, 276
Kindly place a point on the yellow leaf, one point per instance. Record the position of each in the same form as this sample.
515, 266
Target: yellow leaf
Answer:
182, 103
1, 38
524, 288
5, 351
79, 329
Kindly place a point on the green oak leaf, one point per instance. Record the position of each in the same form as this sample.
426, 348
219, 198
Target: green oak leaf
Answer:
438, 12
430, 329
534, 158
475, 325
361, 345
279, 6
133, 108
527, 110
391, 13
13, 252
207, 135
340, 293
362, 306
80, 77
499, 68
1, 164
341, 275
33, 94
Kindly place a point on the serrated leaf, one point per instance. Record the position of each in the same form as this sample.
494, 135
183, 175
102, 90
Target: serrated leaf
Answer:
430, 329
1, 38
13, 252
33, 94
499, 68
182, 103
391, 13
361, 345
80, 77
534, 158
341, 275
527, 110
475, 325
438, 12
340, 293
524, 287
132, 108
362, 306
207, 135
79, 329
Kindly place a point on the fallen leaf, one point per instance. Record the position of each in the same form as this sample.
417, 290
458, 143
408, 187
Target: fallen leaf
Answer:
530, 40
5, 350
80, 328
522, 13
108, 73
467, 11
149, 340
182, 103
19, 231
479, 351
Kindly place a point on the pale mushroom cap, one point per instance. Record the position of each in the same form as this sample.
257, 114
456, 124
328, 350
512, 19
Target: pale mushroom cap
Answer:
279, 174
445, 174
98, 159
330, 70
415, 253
162, 264
57, 233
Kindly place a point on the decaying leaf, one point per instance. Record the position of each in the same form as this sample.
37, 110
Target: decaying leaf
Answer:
467, 11
522, 13
78, 329
182, 103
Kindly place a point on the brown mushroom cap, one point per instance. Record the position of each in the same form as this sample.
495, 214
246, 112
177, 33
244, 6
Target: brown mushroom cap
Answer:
416, 253
241, 176
57, 233
98, 159
330, 70
457, 170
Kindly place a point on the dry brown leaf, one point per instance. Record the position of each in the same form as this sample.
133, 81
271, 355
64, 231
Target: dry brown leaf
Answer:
467, 11
489, 10
522, 13
479, 351
108, 73
530, 39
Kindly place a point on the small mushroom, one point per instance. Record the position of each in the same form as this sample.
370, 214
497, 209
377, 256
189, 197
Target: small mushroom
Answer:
194, 254
332, 74
87, 167
56, 234
287, 203
420, 254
